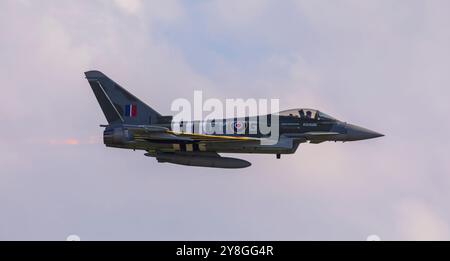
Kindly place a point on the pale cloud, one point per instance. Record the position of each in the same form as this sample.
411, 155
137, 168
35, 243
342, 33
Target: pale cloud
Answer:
417, 220
168, 11
129, 6
235, 13
55, 45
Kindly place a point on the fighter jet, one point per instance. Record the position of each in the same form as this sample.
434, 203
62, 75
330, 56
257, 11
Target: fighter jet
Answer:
134, 125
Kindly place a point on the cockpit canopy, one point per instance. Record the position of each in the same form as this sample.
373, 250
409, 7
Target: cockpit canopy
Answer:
304, 113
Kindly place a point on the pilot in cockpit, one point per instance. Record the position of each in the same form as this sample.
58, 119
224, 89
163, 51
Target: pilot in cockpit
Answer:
308, 114
302, 114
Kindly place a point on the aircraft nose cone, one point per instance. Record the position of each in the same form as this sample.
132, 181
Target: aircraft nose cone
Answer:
359, 133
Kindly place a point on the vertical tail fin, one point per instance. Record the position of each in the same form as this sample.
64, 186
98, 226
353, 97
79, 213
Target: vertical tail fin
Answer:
118, 105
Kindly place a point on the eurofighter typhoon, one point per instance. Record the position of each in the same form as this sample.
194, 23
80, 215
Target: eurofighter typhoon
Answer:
132, 124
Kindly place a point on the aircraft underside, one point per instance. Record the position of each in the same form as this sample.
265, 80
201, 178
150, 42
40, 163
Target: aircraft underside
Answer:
206, 154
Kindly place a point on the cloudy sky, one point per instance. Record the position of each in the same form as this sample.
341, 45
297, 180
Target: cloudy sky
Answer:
380, 64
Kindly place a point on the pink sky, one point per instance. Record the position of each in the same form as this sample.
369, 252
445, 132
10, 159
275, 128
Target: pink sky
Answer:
379, 64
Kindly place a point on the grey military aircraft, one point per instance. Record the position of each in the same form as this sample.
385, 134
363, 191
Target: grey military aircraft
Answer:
132, 124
